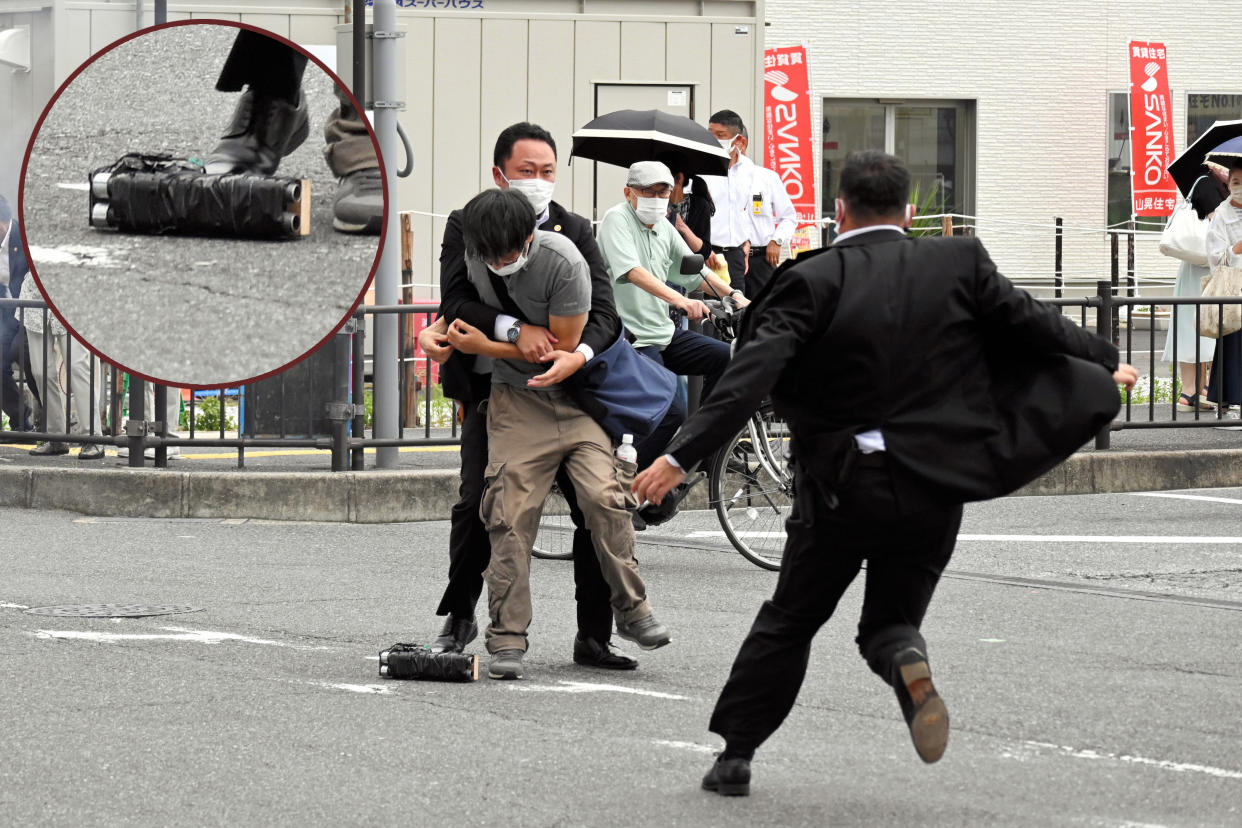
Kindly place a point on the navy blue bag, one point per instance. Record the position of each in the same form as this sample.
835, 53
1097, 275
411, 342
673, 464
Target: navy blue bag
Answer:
631, 392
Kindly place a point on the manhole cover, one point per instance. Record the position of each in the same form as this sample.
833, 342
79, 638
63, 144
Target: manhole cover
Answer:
111, 610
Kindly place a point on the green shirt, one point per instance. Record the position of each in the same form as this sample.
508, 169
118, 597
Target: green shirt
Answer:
627, 243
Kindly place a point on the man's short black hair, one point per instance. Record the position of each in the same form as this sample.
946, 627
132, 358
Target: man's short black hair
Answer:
518, 132
730, 119
6, 212
496, 224
874, 184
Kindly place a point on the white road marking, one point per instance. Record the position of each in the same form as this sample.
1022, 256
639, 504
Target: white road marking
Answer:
585, 687
692, 746
1209, 499
84, 186
74, 254
13, 606
370, 689
169, 634
1154, 539
1163, 764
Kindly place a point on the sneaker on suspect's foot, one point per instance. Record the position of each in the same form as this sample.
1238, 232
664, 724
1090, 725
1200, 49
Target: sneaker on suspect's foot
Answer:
46, 448
91, 451
728, 777
358, 206
457, 632
646, 632
923, 709
506, 664
592, 653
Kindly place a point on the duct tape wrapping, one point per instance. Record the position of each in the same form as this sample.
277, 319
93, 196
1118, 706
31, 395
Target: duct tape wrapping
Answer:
161, 194
416, 661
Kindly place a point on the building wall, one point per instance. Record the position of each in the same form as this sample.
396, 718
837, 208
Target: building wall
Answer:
23, 94
1040, 74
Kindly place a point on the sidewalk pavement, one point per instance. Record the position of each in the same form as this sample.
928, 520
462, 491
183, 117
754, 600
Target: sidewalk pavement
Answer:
298, 484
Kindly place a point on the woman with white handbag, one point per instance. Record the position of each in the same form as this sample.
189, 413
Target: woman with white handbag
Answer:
1185, 238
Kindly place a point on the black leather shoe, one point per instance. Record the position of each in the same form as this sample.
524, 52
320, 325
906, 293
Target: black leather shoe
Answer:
729, 777
455, 635
924, 710
263, 131
647, 633
47, 448
590, 653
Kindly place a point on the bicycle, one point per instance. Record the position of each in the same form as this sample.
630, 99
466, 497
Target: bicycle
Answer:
750, 483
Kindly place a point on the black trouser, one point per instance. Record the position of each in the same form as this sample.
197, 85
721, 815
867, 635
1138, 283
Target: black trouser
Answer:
470, 550
13, 352
760, 271
735, 258
265, 64
905, 548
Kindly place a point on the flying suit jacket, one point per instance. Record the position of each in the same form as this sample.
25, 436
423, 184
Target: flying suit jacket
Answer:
976, 387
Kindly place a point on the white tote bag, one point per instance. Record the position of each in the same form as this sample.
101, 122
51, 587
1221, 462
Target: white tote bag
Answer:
1185, 236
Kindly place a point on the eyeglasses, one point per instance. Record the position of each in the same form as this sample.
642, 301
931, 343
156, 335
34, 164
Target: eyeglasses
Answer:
657, 191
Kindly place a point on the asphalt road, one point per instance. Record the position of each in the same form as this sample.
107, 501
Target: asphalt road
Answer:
1091, 681
190, 311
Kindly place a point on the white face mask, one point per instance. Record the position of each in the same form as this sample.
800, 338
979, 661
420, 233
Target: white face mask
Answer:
726, 144
511, 268
651, 210
538, 191
1236, 194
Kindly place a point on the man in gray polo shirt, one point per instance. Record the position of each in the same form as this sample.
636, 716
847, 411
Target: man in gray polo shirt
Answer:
534, 428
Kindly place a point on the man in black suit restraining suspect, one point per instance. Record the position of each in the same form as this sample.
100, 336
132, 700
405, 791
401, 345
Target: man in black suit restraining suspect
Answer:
914, 378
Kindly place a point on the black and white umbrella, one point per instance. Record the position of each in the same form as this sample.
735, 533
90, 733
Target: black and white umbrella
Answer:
628, 135
1188, 166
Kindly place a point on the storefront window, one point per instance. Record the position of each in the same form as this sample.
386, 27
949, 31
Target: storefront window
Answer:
935, 139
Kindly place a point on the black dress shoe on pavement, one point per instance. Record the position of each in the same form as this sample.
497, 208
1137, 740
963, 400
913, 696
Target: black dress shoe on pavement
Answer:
729, 777
506, 664
455, 635
47, 448
263, 131
591, 653
921, 705
91, 451
647, 633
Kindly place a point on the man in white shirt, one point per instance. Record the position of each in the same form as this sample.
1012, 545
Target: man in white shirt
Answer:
754, 216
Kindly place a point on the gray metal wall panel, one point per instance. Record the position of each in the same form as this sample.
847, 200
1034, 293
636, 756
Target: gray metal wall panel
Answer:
688, 51
551, 80
415, 192
642, 51
597, 57
732, 83
73, 41
313, 28
108, 25
277, 23
504, 91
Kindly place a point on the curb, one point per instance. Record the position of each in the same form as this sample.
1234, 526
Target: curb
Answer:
381, 496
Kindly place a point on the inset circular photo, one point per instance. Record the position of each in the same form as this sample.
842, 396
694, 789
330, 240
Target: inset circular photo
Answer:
202, 204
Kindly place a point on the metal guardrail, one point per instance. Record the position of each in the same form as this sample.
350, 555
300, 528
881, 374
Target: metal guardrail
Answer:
346, 435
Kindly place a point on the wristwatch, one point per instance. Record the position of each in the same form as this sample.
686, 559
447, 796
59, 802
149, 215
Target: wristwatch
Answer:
514, 330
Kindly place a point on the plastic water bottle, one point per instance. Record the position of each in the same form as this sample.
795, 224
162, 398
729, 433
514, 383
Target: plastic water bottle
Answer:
626, 451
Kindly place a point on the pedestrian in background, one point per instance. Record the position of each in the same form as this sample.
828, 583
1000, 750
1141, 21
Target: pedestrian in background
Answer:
754, 217
1194, 353
1225, 248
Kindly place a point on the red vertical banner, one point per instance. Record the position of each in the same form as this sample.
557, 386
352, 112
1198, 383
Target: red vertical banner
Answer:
1151, 131
787, 146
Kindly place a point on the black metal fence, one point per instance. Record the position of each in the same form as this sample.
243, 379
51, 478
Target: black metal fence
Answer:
279, 413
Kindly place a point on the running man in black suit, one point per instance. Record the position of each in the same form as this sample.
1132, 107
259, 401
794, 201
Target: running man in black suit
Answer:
903, 367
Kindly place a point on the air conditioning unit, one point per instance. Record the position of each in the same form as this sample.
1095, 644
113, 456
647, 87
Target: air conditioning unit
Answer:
15, 47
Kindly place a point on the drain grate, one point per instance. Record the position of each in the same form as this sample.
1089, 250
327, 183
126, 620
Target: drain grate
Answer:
111, 610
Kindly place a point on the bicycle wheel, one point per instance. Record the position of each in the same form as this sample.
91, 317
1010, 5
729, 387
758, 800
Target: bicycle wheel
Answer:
751, 489
555, 538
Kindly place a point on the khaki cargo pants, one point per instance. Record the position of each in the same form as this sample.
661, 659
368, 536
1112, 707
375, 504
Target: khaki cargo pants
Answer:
530, 435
